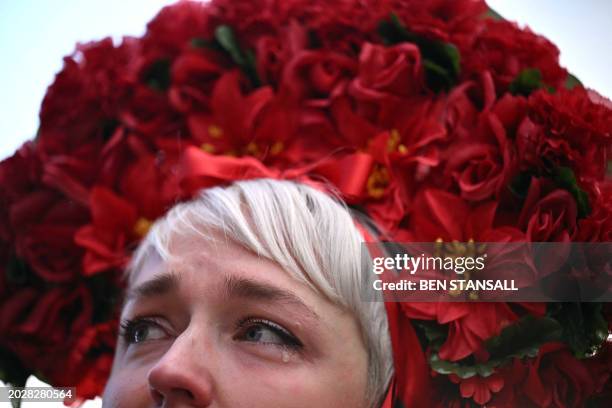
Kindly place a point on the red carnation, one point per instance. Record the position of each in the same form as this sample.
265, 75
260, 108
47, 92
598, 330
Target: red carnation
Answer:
567, 128
505, 49
83, 103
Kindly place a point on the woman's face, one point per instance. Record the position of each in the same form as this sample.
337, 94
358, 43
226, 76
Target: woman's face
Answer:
225, 328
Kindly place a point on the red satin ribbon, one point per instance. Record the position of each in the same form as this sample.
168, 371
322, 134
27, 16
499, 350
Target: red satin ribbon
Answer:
411, 381
349, 173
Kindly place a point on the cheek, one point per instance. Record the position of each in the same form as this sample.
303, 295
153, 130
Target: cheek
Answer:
301, 386
127, 386
274, 388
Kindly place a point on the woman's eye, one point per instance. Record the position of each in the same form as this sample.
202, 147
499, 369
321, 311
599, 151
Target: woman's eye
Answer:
265, 332
140, 330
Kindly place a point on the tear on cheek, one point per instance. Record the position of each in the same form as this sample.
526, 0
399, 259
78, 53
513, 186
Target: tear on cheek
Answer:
271, 353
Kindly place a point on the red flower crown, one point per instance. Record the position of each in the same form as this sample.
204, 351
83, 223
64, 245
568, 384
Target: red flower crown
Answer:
439, 119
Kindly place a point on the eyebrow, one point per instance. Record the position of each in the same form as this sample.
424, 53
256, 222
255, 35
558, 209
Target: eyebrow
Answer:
250, 289
233, 287
159, 285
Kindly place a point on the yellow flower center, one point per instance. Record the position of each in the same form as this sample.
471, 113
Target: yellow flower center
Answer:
393, 144
378, 181
252, 149
456, 249
215, 131
277, 148
142, 227
208, 148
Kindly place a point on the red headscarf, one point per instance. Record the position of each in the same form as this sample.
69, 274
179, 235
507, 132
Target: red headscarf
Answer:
410, 386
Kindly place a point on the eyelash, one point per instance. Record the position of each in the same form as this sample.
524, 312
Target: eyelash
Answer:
128, 329
289, 340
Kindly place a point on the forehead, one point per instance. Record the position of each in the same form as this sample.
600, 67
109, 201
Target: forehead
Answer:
201, 257
206, 268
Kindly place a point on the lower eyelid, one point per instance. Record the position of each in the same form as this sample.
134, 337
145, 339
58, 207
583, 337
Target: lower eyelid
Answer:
284, 334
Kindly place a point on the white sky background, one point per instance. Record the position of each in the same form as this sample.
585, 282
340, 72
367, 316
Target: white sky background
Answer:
36, 34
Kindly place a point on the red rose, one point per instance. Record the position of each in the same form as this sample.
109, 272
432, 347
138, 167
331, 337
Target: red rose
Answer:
317, 76
193, 74
149, 112
597, 226
40, 221
387, 72
38, 325
273, 52
481, 164
548, 214
50, 251
90, 360
556, 378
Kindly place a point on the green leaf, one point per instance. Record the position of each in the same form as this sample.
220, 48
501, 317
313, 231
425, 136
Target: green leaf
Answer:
441, 60
393, 31
225, 37
519, 340
519, 186
584, 327
492, 14
431, 333
433, 330
108, 128
204, 43
564, 177
157, 76
571, 81
12, 371
523, 338
462, 370
18, 272
527, 81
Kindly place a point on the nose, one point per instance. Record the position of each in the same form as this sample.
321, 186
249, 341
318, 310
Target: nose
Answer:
182, 376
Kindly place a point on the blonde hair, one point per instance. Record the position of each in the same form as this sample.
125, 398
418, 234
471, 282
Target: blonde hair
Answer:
309, 233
